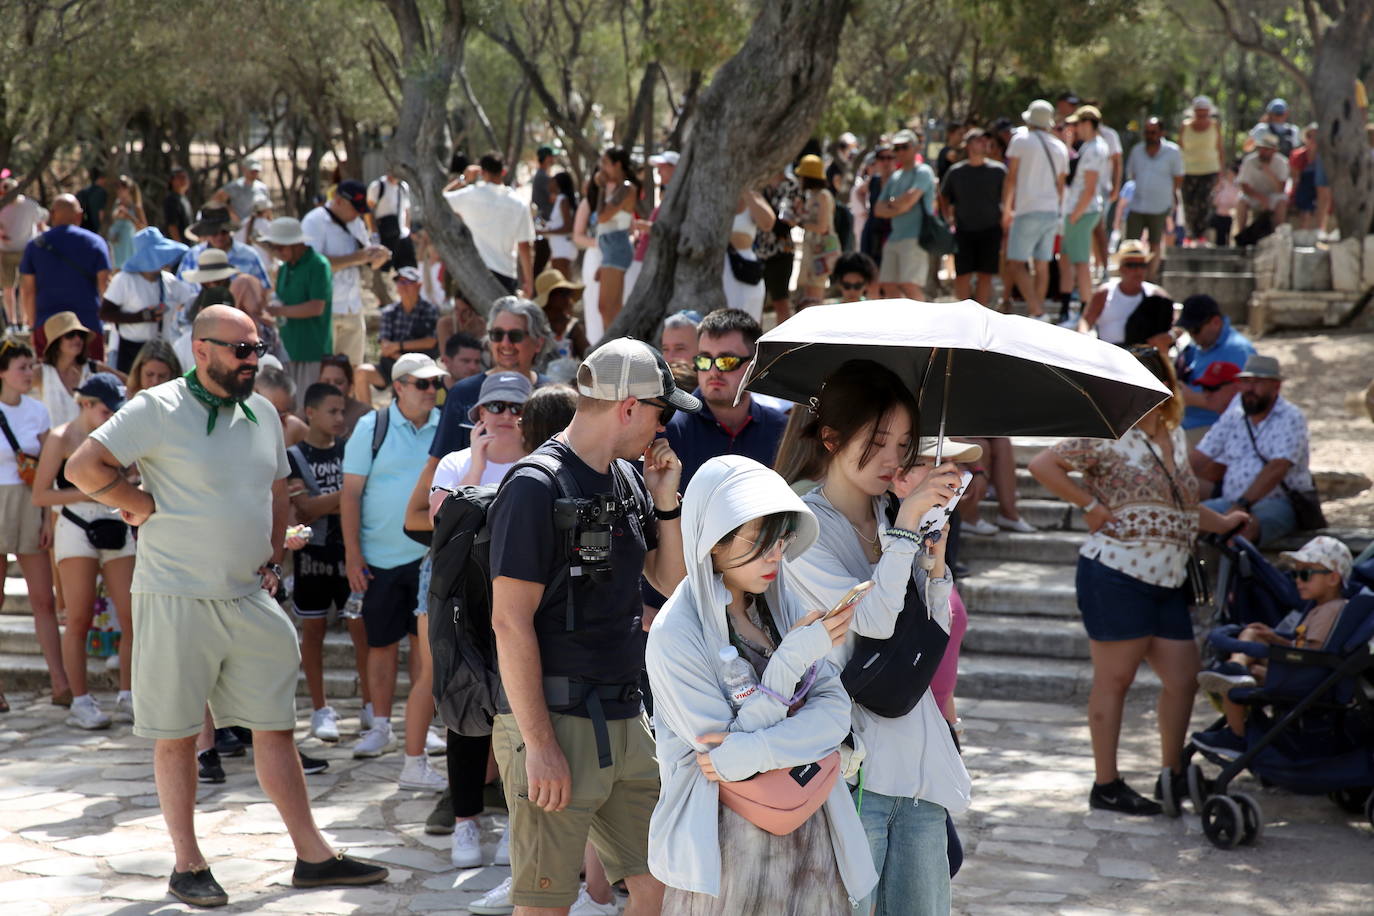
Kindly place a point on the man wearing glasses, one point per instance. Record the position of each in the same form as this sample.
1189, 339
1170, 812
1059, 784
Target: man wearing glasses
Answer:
212, 515
1111, 306
570, 736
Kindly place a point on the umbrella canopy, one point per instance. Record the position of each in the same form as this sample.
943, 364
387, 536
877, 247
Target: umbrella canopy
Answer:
980, 372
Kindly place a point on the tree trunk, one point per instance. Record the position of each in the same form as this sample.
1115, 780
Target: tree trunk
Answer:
1342, 144
760, 107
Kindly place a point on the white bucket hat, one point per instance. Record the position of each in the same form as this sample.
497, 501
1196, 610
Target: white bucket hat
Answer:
284, 230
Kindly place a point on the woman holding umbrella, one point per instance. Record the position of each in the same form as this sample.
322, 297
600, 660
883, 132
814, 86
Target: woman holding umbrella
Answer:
1139, 499
862, 436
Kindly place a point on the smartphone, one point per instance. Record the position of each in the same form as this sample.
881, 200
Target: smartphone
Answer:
851, 597
936, 519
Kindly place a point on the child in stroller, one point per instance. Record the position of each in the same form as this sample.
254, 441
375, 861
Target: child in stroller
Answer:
1322, 570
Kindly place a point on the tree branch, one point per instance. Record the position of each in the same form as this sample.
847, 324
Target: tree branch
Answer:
1255, 42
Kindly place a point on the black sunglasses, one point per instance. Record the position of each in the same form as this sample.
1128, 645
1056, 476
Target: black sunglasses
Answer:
422, 384
901, 146
500, 407
241, 349
1302, 575
726, 362
666, 411
496, 335
860, 285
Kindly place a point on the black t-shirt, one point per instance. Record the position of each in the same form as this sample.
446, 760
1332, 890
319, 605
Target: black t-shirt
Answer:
326, 464
976, 193
176, 211
606, 645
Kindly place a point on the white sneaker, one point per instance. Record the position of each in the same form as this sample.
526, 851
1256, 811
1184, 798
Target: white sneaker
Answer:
376, 741
584, 905
124, 710
495, 902
467, 852
86, 714
324, 724
982, 528
416, 773
365, 719
435, 744
1019, 525
502, 856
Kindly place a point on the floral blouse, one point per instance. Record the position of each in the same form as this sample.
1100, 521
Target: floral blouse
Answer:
1152, 534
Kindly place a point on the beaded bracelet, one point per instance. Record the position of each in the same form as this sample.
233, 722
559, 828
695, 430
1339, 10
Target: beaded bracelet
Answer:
904, 534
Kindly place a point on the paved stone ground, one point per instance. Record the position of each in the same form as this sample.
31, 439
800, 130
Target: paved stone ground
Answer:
80, 831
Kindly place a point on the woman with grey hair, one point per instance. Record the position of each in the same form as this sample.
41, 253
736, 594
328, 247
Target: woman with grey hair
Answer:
536, 325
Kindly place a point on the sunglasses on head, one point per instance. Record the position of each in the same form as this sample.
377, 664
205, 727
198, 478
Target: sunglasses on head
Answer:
666, 411
496, 335
242, 349
500, 407
422, 384
1302, 575
726, 362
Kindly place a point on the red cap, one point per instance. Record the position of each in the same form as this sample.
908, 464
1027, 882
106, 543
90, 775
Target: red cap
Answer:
1218, 374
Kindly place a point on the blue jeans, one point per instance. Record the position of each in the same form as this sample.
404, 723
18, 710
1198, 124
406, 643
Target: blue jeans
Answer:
1274, 513
910, 849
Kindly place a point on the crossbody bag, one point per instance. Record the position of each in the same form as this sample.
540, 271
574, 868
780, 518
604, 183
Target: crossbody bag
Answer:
1198, 585
1307, 505
102, 533
27, 464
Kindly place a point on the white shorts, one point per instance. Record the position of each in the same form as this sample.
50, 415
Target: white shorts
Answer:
904, 261
69, 539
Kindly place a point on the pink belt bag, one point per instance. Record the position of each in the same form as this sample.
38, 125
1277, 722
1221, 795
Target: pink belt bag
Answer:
780, 801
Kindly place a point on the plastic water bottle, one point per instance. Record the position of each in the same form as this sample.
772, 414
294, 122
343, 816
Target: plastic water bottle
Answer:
740, 679
353, 607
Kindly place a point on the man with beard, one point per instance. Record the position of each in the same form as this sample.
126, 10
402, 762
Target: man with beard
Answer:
212, 515
1258, 452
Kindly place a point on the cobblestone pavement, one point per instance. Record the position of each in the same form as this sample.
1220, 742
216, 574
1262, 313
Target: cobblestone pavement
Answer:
80, 831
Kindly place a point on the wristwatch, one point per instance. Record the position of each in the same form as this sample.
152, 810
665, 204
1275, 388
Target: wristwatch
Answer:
274, 569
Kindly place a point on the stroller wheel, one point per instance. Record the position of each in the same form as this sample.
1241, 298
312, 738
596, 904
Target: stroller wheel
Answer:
1252, 818
1351, 801
1197, 787
1222, 822
1171, 803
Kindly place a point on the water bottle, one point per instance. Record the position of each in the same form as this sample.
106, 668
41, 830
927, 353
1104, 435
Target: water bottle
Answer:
740, 679
353, 607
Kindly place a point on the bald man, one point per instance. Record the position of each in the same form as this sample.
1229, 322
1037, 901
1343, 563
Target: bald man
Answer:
211, 515
66, 269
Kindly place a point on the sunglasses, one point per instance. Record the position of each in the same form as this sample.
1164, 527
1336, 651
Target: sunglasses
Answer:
242, 349
421, 384
500, 407
1303, 575
70, 334
666, 411
726, 362
887, 156
1134, 265
781, 545
496, 335
851, 286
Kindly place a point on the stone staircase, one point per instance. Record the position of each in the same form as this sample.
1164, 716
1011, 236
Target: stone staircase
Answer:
1225, 274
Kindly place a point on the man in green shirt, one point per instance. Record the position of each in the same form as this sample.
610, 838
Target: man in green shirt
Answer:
304, 297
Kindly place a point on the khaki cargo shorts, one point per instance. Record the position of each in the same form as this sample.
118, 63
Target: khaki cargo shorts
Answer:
239, 654
611, 805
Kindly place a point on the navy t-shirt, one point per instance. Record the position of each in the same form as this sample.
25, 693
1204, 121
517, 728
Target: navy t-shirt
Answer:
65, 273
455, 429
699, 437
606, 645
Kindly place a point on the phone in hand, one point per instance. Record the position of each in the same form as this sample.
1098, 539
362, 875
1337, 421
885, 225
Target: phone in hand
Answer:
938, 516
850, 597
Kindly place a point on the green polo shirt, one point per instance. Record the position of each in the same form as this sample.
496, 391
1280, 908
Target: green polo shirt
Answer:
307, 340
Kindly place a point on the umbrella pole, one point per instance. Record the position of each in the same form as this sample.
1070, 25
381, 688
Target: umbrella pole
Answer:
944, 405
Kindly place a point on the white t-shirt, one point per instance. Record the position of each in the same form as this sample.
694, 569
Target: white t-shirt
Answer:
1114, 148
133, 294
331, 240
19, 221
1092, 157
390, 199
27, 420
498, 219
1037, 188
454, 466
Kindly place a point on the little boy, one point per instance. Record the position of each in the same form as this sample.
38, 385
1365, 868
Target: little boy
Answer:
316, 480
1322, 568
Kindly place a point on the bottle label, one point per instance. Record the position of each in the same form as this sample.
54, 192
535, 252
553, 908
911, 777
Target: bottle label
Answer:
742, 693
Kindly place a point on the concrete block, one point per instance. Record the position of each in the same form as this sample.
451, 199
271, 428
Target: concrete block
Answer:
1346, 265
1311, 270
1304, 238
1367, 262
1283, 252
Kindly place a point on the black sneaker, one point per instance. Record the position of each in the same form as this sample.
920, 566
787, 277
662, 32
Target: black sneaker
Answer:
227, 744
312, 765
338, 871
197, 887
210, 769
440, 820
1117, 796
243, 734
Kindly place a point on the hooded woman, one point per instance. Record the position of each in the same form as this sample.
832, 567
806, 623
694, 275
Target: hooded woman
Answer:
739, 520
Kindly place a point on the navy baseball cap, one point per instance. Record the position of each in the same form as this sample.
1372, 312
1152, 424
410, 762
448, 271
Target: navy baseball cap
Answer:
104, 386
355, 192
1197, 311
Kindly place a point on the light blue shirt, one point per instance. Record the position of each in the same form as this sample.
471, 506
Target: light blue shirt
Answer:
244, 257
1231, 346
390, 480
908, 225
1154, 177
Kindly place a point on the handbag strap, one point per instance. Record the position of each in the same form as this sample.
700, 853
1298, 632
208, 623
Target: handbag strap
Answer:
1254, 444
9, 435
42, 242
344, 226
1163, 468
1054, 171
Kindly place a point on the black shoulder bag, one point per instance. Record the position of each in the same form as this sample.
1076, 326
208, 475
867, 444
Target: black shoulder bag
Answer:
1307, 505
1198, 586
103, 533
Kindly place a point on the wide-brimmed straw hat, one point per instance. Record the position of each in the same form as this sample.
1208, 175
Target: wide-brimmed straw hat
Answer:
212, 265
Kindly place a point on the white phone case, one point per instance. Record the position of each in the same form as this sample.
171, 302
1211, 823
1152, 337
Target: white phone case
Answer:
938, 517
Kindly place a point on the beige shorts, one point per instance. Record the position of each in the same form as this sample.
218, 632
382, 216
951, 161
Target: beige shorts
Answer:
904, 261
9, 268
69, 539
612, 806
239, 654
20, 520
350, 337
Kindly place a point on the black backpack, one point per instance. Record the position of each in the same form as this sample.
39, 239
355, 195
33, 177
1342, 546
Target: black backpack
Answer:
889, 676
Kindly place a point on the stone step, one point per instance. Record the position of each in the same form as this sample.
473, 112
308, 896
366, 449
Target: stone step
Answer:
1021, 589
1053, 547
1039, 637
1017, 677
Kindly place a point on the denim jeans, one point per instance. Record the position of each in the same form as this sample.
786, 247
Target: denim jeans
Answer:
910, 849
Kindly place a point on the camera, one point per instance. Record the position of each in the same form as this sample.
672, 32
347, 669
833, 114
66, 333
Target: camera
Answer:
590, 522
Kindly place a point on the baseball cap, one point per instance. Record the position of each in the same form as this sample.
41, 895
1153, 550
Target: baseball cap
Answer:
1197, 310
417, 365
1277, 106
106, 387
408, 274
953, 451
629, 368
1217, 374
1257, 366
1325, 551
510, 387
904, 136
1084, 112
355, 192
973, 133
667, 157
251, 164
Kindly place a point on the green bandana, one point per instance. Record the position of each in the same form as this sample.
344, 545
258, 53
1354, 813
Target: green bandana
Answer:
213, 401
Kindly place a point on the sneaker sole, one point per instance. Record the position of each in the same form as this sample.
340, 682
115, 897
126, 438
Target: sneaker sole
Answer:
219, 900
438, 830
1159, 809
477, 863
1216, 682
356, 881
417, 787
358, 755
328, 739
210, 782
314, 771
90, 728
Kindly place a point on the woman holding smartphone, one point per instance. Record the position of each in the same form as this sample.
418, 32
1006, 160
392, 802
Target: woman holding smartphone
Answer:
739, 520
862, 436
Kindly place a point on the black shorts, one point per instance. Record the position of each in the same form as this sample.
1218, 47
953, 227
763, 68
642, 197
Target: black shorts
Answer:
777, 275
320, 581
977, 251
389, 604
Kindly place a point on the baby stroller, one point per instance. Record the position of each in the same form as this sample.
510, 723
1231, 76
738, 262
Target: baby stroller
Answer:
1310, 728
1249, 588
